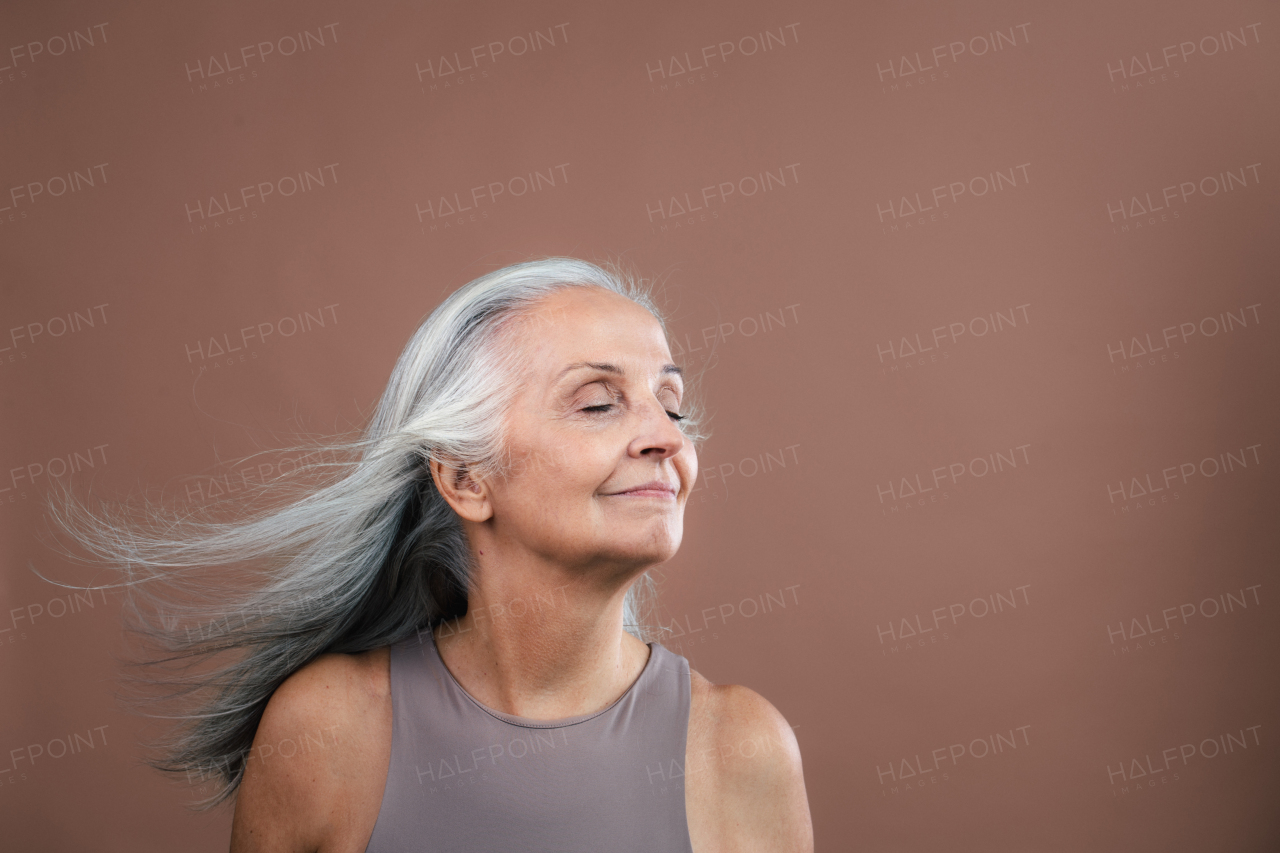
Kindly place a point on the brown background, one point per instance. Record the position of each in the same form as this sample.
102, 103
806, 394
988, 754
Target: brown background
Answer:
794, 302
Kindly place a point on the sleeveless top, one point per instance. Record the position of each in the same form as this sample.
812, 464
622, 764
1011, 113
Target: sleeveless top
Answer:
465, 777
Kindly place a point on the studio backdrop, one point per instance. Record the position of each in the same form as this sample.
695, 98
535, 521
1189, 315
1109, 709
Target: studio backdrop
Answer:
980, 298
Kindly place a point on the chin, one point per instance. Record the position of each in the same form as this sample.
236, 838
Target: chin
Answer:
651, 553
636, 545
640, 555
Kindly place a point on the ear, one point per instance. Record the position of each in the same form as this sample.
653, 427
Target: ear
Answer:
468, 497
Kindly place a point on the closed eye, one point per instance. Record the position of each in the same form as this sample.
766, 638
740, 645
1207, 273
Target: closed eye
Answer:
604, 407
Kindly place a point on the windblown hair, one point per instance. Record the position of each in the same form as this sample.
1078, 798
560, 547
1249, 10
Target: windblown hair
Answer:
361, 555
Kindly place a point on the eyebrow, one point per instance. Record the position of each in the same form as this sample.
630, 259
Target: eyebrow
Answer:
605, 367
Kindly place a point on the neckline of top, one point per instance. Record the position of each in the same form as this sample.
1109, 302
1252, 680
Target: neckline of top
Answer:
528, 722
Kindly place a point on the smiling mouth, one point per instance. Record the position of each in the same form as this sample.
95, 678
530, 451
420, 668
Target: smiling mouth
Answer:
647, 490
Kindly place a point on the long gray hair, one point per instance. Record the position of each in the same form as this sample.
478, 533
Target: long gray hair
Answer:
360, 555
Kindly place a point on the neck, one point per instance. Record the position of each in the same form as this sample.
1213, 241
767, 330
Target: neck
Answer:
539, 640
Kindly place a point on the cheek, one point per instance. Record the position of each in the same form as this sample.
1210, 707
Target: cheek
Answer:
687, 465
536, 464
560, 472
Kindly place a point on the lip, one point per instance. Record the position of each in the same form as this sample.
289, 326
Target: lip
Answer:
654, 489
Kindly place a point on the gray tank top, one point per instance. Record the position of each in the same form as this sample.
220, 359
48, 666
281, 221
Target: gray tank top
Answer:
464, 777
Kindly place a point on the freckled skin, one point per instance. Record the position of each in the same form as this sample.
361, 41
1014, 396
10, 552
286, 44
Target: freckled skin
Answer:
592, 421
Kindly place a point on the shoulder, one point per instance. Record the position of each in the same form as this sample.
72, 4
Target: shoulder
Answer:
751, 738
319, 757
330, 687
743, 754
334, 700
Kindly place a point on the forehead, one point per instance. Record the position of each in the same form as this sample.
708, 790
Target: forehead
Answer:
588, 324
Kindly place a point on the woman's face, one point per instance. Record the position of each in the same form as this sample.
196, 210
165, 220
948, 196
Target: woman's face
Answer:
599, 470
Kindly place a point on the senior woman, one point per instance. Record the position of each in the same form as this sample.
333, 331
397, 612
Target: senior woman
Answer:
449, 634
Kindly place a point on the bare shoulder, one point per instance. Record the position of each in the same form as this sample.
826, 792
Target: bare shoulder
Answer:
745, 778
331, 686
753, 742
314, 778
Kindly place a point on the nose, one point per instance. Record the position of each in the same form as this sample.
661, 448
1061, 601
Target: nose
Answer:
658, 436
